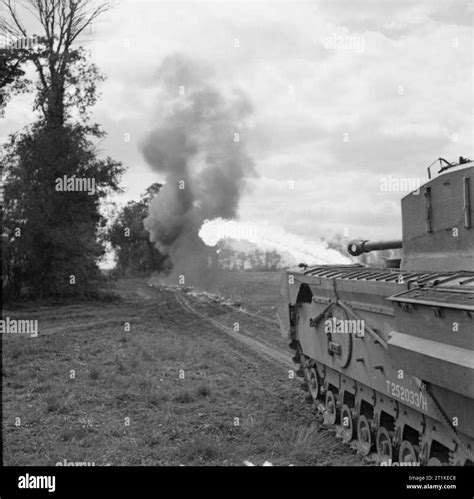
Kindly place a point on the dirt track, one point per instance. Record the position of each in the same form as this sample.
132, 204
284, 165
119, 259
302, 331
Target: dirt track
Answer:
263, 349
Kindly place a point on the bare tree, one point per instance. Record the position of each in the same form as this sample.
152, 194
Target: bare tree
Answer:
62, 22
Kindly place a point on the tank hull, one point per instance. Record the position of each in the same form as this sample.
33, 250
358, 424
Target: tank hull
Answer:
366, 353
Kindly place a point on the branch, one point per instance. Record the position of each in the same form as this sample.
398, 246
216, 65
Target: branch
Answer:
84, 20
16, 27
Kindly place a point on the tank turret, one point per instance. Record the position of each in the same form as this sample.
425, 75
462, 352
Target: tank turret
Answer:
437, 223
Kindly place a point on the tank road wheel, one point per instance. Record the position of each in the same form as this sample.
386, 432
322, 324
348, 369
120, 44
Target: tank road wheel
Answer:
440, 458
407, 453
384, 445
313, 383
330, 413
364, 435
347, 424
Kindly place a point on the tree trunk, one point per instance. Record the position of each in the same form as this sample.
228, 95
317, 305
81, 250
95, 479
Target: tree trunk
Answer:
55, 102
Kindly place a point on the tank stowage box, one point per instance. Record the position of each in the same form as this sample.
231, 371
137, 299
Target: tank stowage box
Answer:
388, 352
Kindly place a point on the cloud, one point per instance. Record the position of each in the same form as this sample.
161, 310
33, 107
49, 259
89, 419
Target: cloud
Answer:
395, 76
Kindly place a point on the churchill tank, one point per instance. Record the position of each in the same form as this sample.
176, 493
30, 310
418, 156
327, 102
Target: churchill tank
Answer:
385, 352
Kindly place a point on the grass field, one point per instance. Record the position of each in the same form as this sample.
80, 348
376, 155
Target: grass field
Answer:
171, 390
254, 289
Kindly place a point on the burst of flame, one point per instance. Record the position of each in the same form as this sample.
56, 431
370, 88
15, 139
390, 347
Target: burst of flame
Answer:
297, 249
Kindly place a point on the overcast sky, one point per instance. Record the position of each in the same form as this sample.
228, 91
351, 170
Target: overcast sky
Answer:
344, 94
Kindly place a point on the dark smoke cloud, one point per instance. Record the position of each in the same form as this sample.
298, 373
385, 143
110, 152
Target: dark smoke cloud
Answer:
193, 146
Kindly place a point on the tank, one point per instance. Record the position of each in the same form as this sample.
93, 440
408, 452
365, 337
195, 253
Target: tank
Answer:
386, 354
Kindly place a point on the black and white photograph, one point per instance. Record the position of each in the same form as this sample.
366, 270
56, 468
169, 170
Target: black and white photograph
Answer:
237, 245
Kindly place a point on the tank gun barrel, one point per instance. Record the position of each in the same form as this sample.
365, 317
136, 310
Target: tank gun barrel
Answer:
359, 246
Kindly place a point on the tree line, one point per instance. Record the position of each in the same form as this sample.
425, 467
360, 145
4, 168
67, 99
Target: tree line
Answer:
53, 239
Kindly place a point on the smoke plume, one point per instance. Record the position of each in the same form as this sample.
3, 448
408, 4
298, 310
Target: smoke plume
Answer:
197, 144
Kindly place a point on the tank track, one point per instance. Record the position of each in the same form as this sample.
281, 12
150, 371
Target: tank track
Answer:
379, 442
